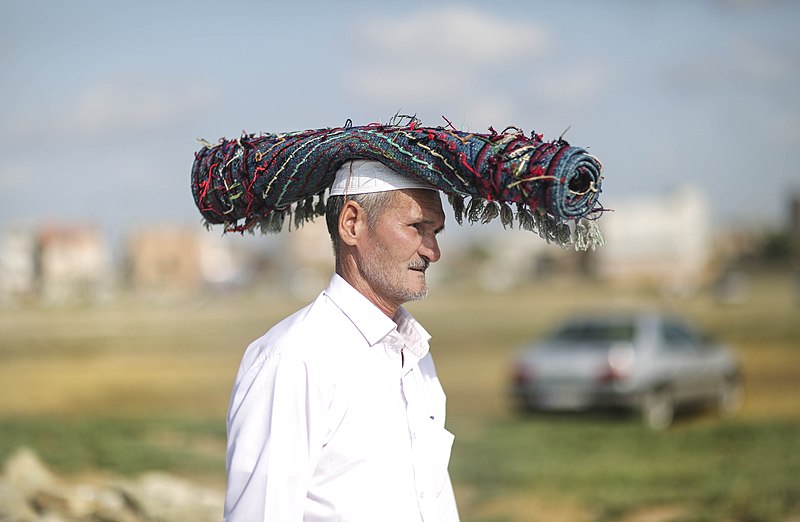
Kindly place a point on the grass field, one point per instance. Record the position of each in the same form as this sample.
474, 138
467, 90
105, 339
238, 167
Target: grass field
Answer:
133, 387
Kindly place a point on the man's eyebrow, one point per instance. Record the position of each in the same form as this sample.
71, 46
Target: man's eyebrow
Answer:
429, 221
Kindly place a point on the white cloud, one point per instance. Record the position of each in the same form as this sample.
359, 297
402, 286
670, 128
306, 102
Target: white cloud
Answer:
468, 64
132, 103
459, 33
761, 65
381, 82
490, 111
14, 173
439, 55
742, 63
575, 86
127, 103
783, 128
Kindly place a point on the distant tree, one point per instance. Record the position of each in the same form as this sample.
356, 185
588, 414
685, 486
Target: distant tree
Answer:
775, 248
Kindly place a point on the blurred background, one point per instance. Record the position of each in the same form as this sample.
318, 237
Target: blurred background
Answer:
122, 319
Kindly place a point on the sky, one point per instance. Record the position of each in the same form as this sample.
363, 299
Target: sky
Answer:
103, 101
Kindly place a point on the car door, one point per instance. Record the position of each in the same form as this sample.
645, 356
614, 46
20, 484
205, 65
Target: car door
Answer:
689, 379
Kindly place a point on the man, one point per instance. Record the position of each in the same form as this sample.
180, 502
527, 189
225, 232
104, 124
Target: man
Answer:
336, 413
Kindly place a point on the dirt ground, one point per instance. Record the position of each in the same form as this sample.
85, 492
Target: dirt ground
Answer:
134, 359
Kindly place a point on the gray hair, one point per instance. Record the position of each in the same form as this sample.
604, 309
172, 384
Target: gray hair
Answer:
374, 204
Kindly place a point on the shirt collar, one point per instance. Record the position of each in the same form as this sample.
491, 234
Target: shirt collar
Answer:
414, 335
373, 324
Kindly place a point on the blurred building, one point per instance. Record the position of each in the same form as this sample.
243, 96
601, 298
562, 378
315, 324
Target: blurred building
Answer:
794, 228
17, 264
794, 245
309, 259
512, 257
72, 263
227, 263
498, 259
173, 260
666, 241
164, 259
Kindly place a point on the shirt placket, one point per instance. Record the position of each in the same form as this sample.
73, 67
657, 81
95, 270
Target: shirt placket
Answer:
415, 414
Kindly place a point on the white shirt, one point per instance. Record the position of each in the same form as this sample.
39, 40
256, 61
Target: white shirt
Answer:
327, 424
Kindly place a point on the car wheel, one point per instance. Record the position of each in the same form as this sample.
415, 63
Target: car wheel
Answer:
731, 396
658, 408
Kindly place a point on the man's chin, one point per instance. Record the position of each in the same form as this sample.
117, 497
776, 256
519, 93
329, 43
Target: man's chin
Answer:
415, 289
420, 292
417, 296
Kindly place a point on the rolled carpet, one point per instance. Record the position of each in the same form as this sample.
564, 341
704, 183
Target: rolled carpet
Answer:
262, 181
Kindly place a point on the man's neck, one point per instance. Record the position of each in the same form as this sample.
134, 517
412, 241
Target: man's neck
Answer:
354, 279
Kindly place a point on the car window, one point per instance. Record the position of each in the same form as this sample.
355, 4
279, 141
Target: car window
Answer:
675, 335
600, 333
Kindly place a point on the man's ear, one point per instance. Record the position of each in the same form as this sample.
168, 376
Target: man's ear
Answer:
352, 222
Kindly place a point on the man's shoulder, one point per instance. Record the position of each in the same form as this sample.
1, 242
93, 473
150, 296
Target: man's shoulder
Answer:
311, 321
306, 334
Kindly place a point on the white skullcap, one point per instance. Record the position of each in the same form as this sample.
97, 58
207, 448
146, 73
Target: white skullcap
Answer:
367, 176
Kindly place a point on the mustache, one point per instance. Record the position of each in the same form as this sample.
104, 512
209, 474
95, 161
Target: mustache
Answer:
421, 264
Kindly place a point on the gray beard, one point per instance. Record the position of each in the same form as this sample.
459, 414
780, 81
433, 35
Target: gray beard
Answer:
379, 281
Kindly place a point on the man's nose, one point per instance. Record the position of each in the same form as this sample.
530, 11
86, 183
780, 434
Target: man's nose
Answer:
430, 249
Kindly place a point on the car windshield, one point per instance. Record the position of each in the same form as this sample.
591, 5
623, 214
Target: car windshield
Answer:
600, 333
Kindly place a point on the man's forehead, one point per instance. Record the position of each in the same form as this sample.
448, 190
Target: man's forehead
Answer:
426, 201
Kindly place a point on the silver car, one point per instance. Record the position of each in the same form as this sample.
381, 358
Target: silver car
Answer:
648, 362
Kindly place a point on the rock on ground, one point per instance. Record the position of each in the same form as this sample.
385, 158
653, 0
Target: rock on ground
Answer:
30, 492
